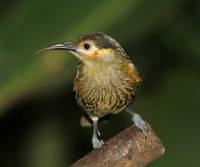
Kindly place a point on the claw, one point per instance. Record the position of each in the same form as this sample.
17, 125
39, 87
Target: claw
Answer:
96, 143
137, 120
139, 123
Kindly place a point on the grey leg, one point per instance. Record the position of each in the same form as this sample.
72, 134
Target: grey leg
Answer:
136, 118
96, 143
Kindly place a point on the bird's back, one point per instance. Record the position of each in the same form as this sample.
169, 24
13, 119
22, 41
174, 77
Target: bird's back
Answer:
101, 90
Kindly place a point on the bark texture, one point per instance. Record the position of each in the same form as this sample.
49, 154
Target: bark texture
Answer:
129, 148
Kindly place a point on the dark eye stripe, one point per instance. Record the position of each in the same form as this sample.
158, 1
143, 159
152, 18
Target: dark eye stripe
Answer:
87, 46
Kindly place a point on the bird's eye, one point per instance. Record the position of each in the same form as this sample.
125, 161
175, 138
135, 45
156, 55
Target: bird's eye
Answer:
87, 46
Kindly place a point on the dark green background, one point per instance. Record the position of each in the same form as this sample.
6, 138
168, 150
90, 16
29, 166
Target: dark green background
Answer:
39, 118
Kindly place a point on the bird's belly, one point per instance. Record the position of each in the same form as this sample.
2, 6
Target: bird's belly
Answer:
100, 100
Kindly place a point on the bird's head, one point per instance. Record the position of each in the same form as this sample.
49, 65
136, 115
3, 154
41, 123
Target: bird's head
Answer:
95, 47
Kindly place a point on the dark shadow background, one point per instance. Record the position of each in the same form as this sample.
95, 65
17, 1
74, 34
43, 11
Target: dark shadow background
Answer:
39, 118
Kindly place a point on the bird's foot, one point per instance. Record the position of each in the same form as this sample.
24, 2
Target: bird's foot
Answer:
137, 120
96, 143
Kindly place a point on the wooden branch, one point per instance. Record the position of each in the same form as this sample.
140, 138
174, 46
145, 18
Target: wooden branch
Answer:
129, 148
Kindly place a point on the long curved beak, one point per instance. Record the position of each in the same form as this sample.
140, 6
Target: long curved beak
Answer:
69, 46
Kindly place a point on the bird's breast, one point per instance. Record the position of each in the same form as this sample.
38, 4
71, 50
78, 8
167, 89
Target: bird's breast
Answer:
100, 91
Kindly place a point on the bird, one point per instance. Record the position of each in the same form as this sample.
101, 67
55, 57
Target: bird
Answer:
106, 80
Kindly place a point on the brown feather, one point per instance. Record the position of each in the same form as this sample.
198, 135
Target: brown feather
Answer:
105, 90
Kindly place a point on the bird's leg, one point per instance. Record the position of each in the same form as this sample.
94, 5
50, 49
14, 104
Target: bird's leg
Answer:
96, 143
136, 118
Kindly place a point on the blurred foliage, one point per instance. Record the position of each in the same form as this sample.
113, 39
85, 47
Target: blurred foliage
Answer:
39, 119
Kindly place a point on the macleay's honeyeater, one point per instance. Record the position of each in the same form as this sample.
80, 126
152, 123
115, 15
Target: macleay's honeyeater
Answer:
106, 79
